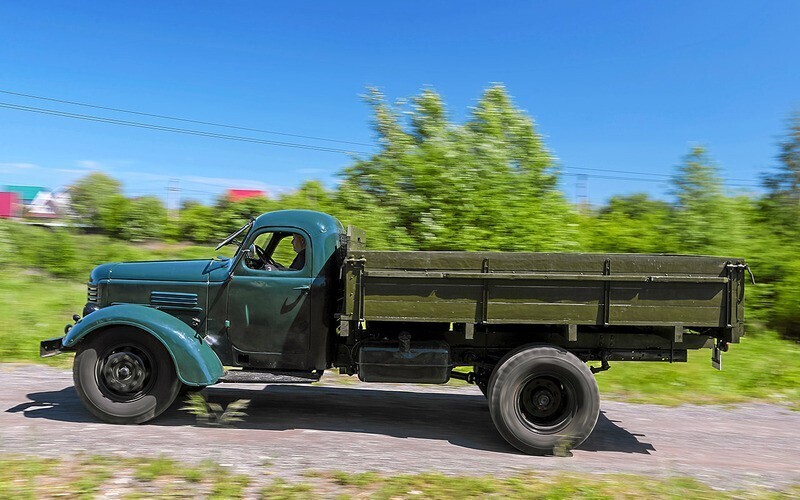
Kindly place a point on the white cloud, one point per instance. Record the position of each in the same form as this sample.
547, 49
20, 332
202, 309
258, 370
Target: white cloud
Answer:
90, 165
16, 167
10, 167
221, 183
146, 176
226, 182
71, 170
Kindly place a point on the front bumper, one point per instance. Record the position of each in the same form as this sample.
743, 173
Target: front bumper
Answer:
51, 347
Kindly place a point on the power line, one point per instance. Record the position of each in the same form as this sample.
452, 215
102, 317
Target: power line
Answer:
162, 128
640, 173
616, 177
732, 182
185, 120
639, 179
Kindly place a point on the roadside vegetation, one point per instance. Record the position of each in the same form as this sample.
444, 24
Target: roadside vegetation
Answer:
89, 477
487, 184
763, 367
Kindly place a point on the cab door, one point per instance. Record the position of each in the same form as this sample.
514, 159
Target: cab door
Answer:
269, 307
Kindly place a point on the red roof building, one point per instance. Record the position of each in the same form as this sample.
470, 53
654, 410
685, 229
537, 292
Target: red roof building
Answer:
10, 205
243, 194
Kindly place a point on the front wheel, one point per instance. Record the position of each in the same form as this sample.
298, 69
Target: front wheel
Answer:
125, 376
543, 400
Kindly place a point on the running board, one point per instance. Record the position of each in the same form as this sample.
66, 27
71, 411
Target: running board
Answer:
254, 377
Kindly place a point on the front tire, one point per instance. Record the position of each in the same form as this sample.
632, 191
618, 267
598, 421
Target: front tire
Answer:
543, 400
125, 376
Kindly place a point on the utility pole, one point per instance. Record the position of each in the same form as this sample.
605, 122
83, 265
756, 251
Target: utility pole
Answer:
174, 198
582, 192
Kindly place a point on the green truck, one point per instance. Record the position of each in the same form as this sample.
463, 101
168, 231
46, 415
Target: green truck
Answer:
301, 295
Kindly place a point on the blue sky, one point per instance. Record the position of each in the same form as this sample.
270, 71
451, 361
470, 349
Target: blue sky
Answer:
624, 86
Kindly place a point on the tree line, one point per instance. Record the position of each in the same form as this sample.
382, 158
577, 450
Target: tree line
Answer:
490, 183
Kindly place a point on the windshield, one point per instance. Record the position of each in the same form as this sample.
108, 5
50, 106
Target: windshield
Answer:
232, 237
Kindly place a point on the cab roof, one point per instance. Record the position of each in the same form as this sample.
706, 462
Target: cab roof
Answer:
313, 222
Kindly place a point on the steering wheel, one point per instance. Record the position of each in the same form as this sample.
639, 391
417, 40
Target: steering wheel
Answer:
262, 256
269, 262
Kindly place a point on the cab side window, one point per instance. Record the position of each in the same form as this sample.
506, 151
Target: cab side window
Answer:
277, 251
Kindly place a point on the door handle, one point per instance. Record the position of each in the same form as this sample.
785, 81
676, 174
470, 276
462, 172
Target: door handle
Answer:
303, 288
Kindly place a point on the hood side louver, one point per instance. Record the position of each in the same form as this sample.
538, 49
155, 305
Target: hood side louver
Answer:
92, 294
173, 300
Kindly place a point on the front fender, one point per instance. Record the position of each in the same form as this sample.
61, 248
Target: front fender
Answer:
195, 362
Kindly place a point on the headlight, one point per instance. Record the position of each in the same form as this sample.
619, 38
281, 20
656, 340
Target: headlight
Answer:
89, 308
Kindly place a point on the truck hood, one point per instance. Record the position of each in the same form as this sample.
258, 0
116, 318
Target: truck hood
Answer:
164, 270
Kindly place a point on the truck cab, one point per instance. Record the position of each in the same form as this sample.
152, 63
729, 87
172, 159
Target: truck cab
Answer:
264, 312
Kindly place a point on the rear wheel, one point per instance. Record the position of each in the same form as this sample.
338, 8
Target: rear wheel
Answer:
125, 376
543, 400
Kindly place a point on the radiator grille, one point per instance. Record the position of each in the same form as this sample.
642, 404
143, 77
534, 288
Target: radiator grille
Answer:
92, 294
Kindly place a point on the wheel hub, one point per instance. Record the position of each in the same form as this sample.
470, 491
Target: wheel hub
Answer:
542, 400
544, 403
124, 372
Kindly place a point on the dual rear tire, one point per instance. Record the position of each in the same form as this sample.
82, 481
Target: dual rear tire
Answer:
543, 400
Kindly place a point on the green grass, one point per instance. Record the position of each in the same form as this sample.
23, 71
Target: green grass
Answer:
155, 468
762, 367
32, 477
284, 490
19, 475
532, 486
89, 477
34, 307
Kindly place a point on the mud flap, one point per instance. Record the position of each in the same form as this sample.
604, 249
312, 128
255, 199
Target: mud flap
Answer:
716, 357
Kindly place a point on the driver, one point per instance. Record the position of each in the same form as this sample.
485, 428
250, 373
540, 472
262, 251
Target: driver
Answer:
299, 246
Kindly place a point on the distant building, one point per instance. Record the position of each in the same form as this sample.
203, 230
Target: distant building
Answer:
243, 194
10, 206
49, 205
26, 193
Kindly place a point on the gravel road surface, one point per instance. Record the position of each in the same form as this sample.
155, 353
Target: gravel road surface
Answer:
402, 429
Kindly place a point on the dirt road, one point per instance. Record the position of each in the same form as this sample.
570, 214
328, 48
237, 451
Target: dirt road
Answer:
393, 429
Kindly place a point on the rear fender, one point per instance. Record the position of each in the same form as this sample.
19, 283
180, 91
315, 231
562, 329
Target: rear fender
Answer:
195, 361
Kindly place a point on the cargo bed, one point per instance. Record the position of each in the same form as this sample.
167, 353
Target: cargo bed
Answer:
692, 292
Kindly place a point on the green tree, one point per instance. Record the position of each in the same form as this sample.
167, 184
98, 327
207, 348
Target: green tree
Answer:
782, 202
94, 198
487, 184
197, 222
147, 219
311, 195
777, 227
633, 223
702, 219
115, 215
231, 215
